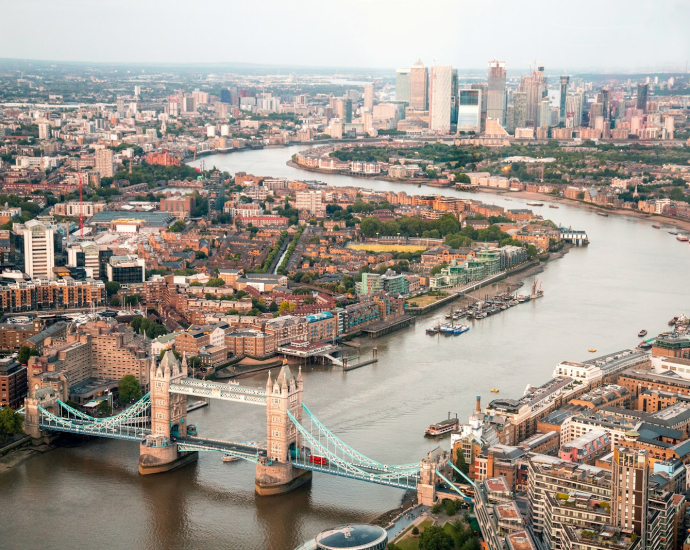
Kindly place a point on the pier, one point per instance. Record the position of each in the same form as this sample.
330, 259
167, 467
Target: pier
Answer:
386, 327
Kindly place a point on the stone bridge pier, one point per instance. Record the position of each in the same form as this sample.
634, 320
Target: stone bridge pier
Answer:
274, 472
158, 452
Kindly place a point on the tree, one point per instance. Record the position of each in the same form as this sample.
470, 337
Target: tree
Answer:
435, 538
10, 423
215, 282
273, 308
104, 407
532, 251
115, 301
112, 287
129, 388
194, 362
25, 352
287, 306
415, 530
177, 227
461, 465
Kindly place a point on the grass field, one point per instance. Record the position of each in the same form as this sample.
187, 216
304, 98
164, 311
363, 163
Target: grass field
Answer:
411, 542
425, 300
371, 247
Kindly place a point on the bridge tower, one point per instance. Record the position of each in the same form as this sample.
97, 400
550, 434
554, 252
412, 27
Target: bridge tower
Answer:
274, 472
158, 451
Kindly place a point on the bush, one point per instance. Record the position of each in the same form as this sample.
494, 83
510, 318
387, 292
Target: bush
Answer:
415, 530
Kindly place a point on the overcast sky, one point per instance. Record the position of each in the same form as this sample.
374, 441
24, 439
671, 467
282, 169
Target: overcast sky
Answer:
574, 34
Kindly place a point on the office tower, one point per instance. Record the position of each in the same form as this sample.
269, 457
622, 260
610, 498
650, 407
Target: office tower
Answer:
484, 89
440, 90
454, 97
369, 97
544, 113
104, 163
120, 106
43, 131
402, 85
469, 110
39, 249
510, 118
605, 102
629, 489
535, 88
496, 93
225, 95
347, 110
137, 91
419, 80
565, 80
188, 104
642, 96
573, 110
520, 109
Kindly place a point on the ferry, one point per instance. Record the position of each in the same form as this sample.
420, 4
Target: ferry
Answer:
535, 204
642, 333
443, 427
682, 238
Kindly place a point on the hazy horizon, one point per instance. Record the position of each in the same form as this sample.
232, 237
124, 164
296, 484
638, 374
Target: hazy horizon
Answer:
616, 35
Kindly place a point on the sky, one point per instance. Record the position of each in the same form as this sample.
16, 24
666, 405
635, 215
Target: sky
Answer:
572, 35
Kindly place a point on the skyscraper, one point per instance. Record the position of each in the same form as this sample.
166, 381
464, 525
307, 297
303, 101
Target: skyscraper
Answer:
496, 94
565, 80
369, 97
469, 110
440, 90
348, 111
39, 249
605, 102
629, 495
419, 82
520, 109
642, 96
402, 85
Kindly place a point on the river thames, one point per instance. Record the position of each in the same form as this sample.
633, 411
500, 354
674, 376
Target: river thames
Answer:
630, 277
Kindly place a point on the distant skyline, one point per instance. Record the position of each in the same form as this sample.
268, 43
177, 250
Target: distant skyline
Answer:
590, 34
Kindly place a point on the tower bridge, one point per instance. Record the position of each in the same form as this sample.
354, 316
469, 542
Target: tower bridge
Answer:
297, 442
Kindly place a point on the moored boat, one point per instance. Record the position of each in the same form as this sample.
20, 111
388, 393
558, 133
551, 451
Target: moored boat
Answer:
644, 345
655, 226
591, 350
495, 390
642, 333
682, 238
553, 206
443, 427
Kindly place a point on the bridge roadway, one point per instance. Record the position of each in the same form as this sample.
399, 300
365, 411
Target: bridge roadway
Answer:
372, 475
217, 390
242, 450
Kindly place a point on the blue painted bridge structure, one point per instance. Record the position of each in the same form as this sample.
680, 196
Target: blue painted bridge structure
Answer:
298, 443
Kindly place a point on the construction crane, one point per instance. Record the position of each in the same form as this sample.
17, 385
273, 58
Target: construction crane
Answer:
81, 210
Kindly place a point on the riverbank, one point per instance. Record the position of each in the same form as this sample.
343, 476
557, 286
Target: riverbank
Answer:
19, 455
528, 195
